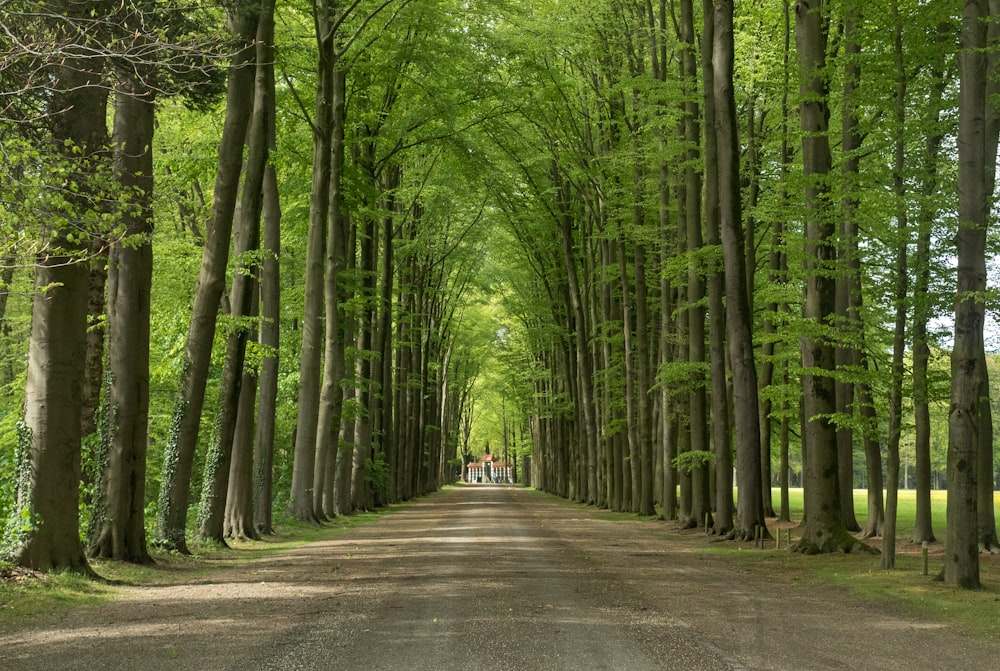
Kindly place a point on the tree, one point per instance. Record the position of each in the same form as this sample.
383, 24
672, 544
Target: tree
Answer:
961, 565
220, 465
75, 110
118, 524
270, 328
888, 558
179, 455
824, 525
714, 158
738, 315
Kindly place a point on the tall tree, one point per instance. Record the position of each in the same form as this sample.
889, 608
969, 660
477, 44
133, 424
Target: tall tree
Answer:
718, 356
179, 454
118, 528
849, 278
231, 515
739, 318
988, 540
961, 566
824, 525
301, 502
76, 111
923, 527
270, 338
888, 558
691, 220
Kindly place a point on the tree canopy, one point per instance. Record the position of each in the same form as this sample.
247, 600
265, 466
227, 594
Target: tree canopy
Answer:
314, 258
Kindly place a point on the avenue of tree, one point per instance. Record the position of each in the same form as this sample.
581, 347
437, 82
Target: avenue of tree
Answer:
274, 255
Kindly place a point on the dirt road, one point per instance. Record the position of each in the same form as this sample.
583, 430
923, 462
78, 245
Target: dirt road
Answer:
488, 578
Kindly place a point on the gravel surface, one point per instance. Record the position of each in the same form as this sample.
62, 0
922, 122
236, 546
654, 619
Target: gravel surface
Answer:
489, 578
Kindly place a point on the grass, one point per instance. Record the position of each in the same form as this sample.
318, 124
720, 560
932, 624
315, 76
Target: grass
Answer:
906, 515
32, 597
905, 589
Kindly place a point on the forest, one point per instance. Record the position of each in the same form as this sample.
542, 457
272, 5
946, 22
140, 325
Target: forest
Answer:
268, 258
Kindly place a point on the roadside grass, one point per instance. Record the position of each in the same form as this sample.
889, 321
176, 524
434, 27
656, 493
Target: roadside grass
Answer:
26, 596
905, 590
917, 599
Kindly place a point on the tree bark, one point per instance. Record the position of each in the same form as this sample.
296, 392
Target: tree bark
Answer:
739, 317
118, 521
923, 528
988, 540
848, 280
700, 509
331, 394
824, 529
721, 434
961, 565
246, 243
179, 453
301, 503
270, 331
581, 332
896, 372
238, 515
778, 267
50, 441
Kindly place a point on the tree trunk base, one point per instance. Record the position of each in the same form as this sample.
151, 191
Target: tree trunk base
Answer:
872, 528
991, 548
819, 541
749, 535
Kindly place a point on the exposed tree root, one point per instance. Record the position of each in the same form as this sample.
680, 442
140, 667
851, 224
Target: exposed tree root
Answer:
822, 541
989, 548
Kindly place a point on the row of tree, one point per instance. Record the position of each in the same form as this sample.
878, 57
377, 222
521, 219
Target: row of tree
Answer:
680, 237
385, 247
736, 228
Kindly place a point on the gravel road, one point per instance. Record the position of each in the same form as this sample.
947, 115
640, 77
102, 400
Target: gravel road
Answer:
488, 578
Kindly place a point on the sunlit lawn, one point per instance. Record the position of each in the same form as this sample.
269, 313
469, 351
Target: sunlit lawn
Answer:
905, 518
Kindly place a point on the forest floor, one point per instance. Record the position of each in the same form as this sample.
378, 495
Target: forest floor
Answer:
490, 577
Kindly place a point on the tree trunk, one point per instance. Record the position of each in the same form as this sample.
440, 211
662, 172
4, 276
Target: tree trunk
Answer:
721, 434
645, 433
118, 521
896, 373
922, 309
94, 367
301, 502
824, 529
270, 330
384, 343
331, 394
777, 263
987, 516
218, 462
700, 510
50, 442
182, 442
988, 540
578, 313
739, 317
238, 517
961, 565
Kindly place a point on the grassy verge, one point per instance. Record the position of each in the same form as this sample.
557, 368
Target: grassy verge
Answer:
905, 591
27, 597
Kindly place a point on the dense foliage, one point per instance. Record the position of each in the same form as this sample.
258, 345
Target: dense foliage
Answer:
533, 228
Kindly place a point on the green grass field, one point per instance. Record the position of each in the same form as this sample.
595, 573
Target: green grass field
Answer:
906, 515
